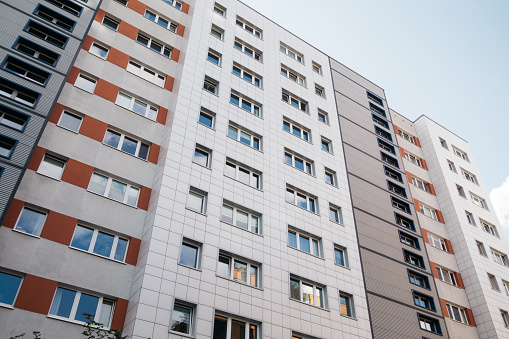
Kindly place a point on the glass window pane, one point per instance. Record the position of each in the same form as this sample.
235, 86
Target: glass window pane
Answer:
244, 176
248, 77
345, 305
129, 145
98, 50
9, 285
152, 113
103, 244
256, 143
254, 276
339, 257
302, 201
111, 138
205, 119
213, 58
143, 152
242, 219
286, 126
82, 237
195, 202
234, 99
240, 271
62, 303
70, 121
299, 164
290, 196
233, 132
253, 332
189, 255
120, 250
31, 221
304, 244
312, 205
245, 138
117, 190
106, 313
201, 157
87, 304
238, 330
140, 107
315, 248
292, 239
98, 184
307, 294
236, 71
132, 196
246, 105
180, 319
227, 214
220, 327
294, 289
296, 131
319, 297
254, 224
223, 267
288, 158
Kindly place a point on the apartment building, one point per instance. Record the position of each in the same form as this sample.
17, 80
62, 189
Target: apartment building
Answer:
205, 173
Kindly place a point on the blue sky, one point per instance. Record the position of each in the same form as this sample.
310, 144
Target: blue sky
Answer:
448, 60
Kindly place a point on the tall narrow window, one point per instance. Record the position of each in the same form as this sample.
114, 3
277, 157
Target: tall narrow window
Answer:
9, 288
197, 201
340, 256
182, 318
346, 304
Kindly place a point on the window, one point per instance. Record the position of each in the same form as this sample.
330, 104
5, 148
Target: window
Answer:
393, 174
409, 240
377, 110
424, 301
249, 76
461, 191
145, 73
317, 68
376, 99
202, 156
13, 119
446, 276
413, 259
36, 51
297, 130
110, 22
380, 121
326, 145
320, 91
85, 83
340, 256
291, 53
307, 292
406, 136
245, 103
335, 214
386, 146
190, 253
493, 282
136, 106
220, 10
292, 75
174, 3
238, 270
413, 159
30, 221
214, 57
230, 328
489, 228
26, 70
182, 318
67, 6
294, 101
207, 118
69, 304
247, 49
428, 211
299, 162
505, 318
243, 174
499, 257
18, 93
418, 279
51, 167
323, 117
451, 166
122, 2
9, 288
460, 154
154, 45
114, 189
400, 204
46, 34
469, 176
346, 304
126, 144
482, 250
98, 50
405, 222
244, 137
470, 218
302, 200
479, 201
100, 243
7, 146
443, 143
506, 286
390, 160
396, 189
162, 21
217, 32
330, 177
249, 27
429, 324
304, 242
384, 134
210, 85
240, 217
70, 121
437, 242
197, 200
420, 184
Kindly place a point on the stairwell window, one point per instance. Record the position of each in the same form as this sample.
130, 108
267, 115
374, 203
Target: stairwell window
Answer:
375, 98
36, 51
214, 57
377, 110
323, 117
481, 249
340, 256
219, 10
452, 167
217, 32
400, 204
470, 218
13, 91
7, 146
390, 160
211, 85
26, 71
405, 222
346, 304
13, 119
380, 121
413, 259
317, 68
326, 145
46, 34
335, 214
67, 6
393, 174
424, 301
429, 324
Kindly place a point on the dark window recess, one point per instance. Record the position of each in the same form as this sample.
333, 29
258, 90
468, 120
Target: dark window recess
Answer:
390, 160
18, 93
429, 324
418, 279
25, 70
396, 189
393, 174
413, 259
424, 301
12, 118
384, 134
380, 121
54, 17
377, 110
67, 6
386, 146
6, 146
405, 222
409, 240
36, 51
375, 99
46, 34
400, 204
110, 22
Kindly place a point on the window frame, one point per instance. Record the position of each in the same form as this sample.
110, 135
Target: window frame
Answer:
336, 210
452, 167
315, 287
204, 150
204, 200
159, 79
108, 188
66, 112
469, 176
255, 78
82, 80
493, 282
315, 242
216, 54
209, 114
133, 100
502, 257
199, 250
150, 41
428, 211
482, 250
217, 32
121, 140
113, 20
251, 215
27, 69
254, 107
242, 46
220, 8
62, 4
470, 218
211, 85
243, 24
389, 172
22, 278
99, 46
93, 242
299, 57
291, 98
350, 306
406, 136
398, 203
327, 143
37, 49
191, 321
248, 324
304, 131
404, 220
377, 110
311, 201
409, 258
320, 91
421, 184
325, 116
231, 269
44, 30
331, 175
414, 276
17, 91
505, 318
421, 318
41, 226
13, 114
437, 242
478, 201
451, 276
375, 98
157, 19
460, 154
389, 160
317, 68
409, 240
489, 228
253, 174
174, 3
255, 139
427, 298
293, 75
461, 312
54, 158
344, 254
306, 163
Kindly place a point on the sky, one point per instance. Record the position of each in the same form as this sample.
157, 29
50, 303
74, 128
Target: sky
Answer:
447, 59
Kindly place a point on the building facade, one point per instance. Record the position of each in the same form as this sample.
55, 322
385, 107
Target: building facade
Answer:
205, 173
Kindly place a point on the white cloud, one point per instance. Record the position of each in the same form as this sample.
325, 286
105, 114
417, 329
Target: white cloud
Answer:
500, 198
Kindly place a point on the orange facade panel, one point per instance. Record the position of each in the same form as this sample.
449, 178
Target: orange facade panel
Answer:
106, 90
93, 128
128, 30
36, 159
137, 6
36, 294
77, 173
118, 58
12, 215
153, 154
131, 257
59, 228
56, 113
144, 198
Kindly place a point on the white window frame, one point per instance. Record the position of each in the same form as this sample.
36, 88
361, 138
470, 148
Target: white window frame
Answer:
470, 218
99, 46
481, 249
171, 26
41, 170
255, 108
317, 68
290, 99
209, 114
460, 313
292, 126
211, 85
336, 210
131, 105
250, 217
192, 318
428, 211
308, 164
469, 176
151, 41
413, 159
315, 294
443, 143
231, 266
217, 55
493, 282
315, 243
350, 304
292, 75
332, 175
108, 187
461, 191
291, 53
320, 91
250, 28
327, 142
243, 72
344, 253
311, 202
115, 20
505, 318
421, 184
93, 242
72, 114
426, 324
217, 32
489, 228
121, 141
325, 116
255, 177
204, 150
506, 286
198, 246
406, 136
27, 73
204, 200
17, 291
139, 70
176, 4
82, 80
248, 325
478, 201
219, 10
252, 137
499, 257
446, 276
460, 154
242, 47
437, 242
34, 210
452, 167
